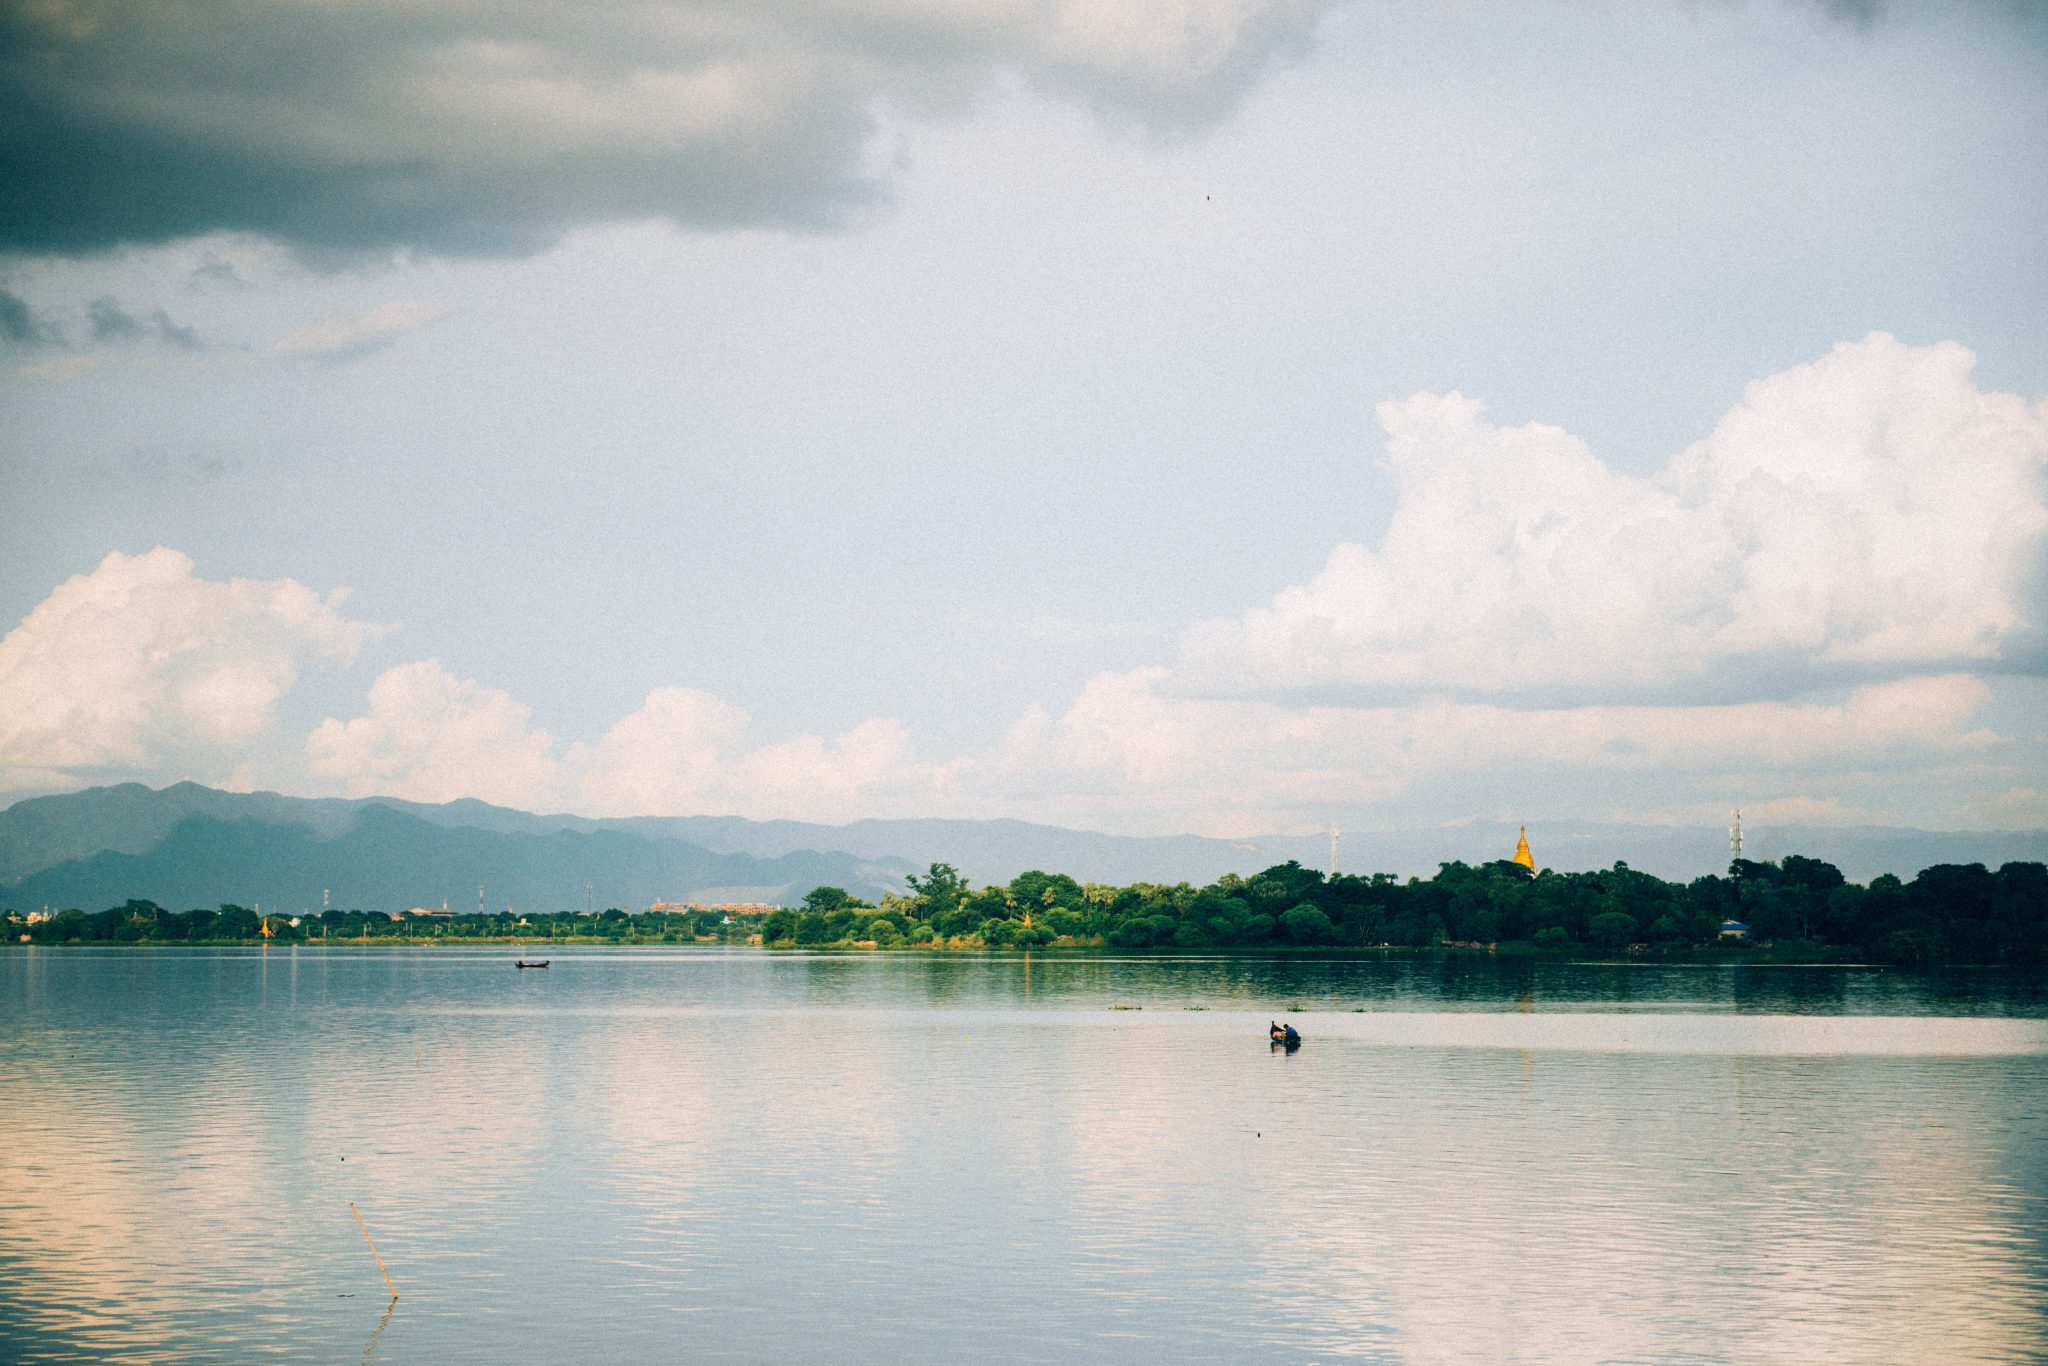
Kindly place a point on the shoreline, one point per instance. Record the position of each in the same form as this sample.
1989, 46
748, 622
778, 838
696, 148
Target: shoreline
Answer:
1751, 958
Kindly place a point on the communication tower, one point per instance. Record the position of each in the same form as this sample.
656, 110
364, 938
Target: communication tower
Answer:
1735, 835
1333, 853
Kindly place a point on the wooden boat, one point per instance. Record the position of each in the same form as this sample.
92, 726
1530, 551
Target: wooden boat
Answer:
531, 965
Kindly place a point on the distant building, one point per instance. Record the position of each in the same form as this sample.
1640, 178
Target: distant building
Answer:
1522, 854
1734, 929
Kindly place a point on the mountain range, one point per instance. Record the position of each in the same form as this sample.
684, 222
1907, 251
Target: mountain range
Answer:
188, 845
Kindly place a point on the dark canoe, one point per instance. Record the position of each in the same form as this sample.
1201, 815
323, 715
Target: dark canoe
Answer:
530, 965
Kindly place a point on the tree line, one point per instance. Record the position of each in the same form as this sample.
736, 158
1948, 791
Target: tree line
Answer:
1799, 907
1950, 913
146, 922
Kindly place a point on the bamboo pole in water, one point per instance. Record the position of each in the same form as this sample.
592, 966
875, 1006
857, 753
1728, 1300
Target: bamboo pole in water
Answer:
373, 1248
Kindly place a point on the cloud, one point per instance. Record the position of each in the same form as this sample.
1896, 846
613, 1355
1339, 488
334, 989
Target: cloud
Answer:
110, 323
106, 324
355, 335
2016, 808
1798, 615
140, 664
489, 129
170, 334
1869, 515
431, 737
19, 324
687, 750
1131, 748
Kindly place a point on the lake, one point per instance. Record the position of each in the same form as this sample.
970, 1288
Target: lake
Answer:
734, 1156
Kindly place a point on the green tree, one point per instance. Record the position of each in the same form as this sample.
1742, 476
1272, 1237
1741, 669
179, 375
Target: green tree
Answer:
1036, 891
938, 891
1668, 929
1306, 924
1611, 931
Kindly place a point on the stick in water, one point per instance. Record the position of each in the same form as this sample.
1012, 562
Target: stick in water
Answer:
373, 1248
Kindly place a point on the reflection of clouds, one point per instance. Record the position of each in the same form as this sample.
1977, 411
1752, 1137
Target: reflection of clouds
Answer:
1628, 1207
750, 1140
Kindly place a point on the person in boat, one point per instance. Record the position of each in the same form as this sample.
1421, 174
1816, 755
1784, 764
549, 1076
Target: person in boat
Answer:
1290, 1038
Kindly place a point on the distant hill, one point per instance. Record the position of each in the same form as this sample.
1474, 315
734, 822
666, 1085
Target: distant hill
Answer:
996, 851
376, 857
188, 843
43, 832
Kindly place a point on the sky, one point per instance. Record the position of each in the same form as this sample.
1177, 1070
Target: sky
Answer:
1221, 416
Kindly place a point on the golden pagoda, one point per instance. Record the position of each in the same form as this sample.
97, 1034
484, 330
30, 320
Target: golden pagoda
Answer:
1522, 854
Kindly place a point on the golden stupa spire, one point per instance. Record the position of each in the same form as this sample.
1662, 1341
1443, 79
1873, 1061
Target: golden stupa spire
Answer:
1522, 854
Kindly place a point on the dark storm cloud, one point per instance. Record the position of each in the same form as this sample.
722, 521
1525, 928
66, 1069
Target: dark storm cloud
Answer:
109, 322
492, 128
170, 334
19, 324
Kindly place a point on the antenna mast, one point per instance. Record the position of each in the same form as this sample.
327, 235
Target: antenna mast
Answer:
1735, 835
1333, 853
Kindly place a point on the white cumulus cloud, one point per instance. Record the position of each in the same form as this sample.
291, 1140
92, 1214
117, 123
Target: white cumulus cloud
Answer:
1132, 750
429, 736
141, 665
687, 750
1868, 515
1813, 613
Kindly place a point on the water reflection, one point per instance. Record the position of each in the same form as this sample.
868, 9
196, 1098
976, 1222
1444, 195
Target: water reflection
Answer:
1400, 982
370, 1347
855, 1158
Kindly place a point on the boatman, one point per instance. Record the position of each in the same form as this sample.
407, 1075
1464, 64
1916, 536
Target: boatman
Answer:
1291, 1038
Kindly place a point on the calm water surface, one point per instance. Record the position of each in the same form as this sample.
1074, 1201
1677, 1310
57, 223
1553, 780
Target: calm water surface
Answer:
728, 1156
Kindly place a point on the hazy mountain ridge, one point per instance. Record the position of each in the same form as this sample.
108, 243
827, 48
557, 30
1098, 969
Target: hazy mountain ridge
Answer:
389, 860
188, 843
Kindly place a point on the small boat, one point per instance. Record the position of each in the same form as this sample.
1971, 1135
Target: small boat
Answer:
523, 964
